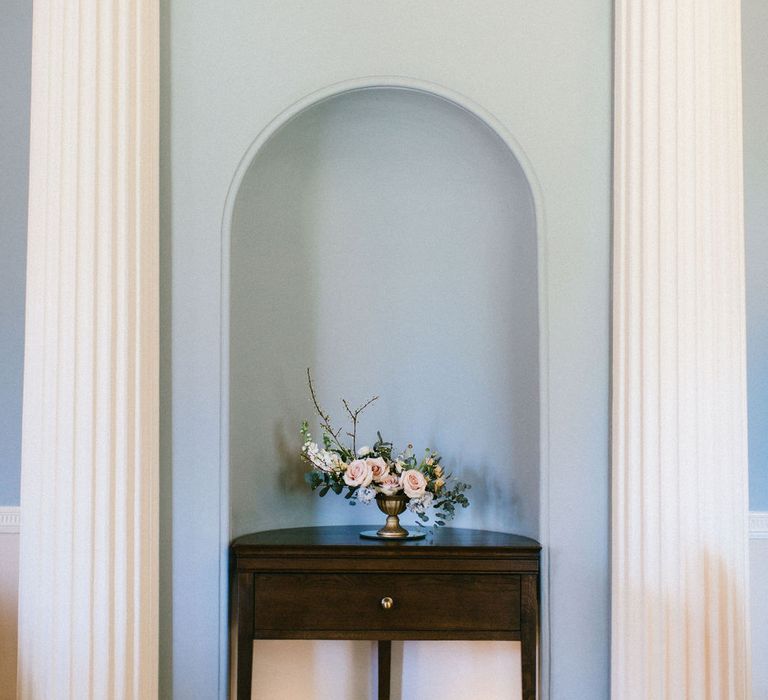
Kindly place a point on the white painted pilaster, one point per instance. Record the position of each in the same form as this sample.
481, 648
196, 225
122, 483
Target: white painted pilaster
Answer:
680, 608
88, 566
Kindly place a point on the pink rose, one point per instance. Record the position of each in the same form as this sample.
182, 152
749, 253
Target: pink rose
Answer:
390, 485
414, 483
358, 473
379, 468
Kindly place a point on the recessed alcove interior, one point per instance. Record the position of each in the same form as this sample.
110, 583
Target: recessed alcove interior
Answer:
386, 238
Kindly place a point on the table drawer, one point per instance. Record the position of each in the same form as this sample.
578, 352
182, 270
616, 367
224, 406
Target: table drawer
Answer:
294, 604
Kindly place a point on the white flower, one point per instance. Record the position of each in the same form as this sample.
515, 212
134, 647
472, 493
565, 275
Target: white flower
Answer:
358, 473
324, 460
420, 505
315, 455
365, 495
310, 449
414, 483
363, 451
330, 461
399, 466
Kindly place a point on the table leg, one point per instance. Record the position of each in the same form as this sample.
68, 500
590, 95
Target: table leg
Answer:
244, 635
528, 633
385, 662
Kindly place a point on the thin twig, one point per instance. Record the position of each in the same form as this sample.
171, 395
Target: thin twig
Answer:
319, 410
366, 404
326, 418
354, 416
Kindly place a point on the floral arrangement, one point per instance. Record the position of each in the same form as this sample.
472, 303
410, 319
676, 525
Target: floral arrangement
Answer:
365, 473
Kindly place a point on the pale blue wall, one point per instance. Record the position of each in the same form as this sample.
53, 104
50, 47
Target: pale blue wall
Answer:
545, 72
755, 70
15, 63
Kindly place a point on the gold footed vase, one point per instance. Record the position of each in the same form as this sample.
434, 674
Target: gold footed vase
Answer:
392, 507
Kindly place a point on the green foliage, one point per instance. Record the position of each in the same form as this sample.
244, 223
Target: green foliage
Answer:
381, 448
314, 478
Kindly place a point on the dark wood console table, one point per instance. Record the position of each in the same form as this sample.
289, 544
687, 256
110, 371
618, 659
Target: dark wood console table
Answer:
294, 584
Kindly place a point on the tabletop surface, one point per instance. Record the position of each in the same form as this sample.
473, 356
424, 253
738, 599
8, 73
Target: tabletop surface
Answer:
349, 536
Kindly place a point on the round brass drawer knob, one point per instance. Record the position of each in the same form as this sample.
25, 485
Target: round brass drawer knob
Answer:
387, 603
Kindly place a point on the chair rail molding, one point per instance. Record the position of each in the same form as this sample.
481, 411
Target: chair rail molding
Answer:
679, 511
10, 519
88, 607
758, 525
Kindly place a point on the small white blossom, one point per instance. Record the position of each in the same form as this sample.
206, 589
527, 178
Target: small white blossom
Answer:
365, 495
310, 450
325, 460
364, 451
420, 505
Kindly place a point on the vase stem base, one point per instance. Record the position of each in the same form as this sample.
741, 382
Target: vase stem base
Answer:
409, 535
393, 528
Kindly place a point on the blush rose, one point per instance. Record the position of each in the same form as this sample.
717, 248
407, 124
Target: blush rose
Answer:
379, 468
358, 473
414, 484
390, 485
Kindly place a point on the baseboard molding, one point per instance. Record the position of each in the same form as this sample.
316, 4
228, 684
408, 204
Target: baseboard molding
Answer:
10, 520
758, 525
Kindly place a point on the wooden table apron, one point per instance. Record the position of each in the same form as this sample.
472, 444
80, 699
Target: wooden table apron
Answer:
328, 583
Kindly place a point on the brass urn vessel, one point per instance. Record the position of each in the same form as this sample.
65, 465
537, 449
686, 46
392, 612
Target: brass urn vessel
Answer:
392, 506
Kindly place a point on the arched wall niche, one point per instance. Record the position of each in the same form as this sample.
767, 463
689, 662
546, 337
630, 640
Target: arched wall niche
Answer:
385, 235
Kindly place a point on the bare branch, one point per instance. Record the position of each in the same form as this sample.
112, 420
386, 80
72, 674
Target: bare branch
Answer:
366, 404
325, 422
319, 410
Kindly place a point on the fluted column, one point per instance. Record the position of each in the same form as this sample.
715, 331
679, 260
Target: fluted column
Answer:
679, 614
88, 590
